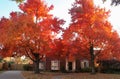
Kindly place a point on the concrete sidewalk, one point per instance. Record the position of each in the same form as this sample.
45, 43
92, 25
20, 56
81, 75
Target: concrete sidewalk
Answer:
11, 75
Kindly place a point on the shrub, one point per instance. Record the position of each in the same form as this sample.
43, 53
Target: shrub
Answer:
85, 70
111, 71
63, 69
27, 67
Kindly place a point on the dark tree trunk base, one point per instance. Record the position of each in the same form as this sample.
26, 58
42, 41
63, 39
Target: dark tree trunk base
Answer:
92, 59
36, 64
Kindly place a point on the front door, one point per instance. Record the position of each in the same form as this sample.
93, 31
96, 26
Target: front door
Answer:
70, 66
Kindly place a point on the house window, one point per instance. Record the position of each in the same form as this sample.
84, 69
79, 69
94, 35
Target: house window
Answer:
41, 65
55, 65
84, 64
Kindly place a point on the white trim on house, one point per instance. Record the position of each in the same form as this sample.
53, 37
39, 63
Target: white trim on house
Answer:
55, 65
73, 65
84, 63
41, 66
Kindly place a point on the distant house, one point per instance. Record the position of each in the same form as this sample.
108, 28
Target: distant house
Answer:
67, 64
70, 64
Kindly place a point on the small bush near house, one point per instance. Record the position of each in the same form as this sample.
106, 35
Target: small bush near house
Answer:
27, 67
63, 70
85, 70
110, 66
111, 71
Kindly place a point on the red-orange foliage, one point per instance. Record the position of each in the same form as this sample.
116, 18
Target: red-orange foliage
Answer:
31, 32
90, 26
36, 8
111, 50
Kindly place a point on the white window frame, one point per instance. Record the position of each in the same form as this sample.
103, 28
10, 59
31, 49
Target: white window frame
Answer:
83, 65
55, 65
41, 65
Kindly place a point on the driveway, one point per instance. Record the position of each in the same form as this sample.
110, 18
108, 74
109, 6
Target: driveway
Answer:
11, 75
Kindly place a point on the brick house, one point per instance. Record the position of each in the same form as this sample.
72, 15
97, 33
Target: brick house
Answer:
67, 64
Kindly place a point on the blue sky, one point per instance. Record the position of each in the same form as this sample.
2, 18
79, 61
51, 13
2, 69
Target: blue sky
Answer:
61, 10
6, 6
60, 7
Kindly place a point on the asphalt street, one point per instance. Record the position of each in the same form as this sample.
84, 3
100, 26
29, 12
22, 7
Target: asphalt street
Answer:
11, 75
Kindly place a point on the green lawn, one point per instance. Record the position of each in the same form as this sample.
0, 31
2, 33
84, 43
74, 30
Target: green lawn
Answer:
50, 75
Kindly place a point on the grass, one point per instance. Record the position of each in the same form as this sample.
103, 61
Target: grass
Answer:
1, 71
51, 75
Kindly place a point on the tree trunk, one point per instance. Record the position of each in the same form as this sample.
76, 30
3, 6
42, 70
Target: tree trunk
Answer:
92, 59
36, 63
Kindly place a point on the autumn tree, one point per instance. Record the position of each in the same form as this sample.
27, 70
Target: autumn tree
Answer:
31, 31
56, 48
89, 24
111, 51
